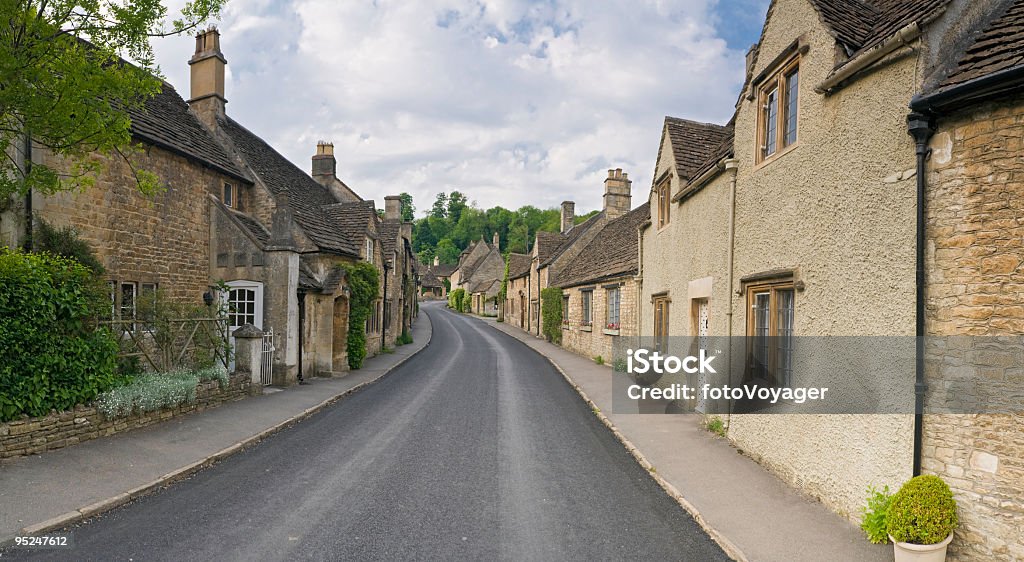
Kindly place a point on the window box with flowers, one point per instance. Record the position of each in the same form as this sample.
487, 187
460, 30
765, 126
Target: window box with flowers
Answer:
611, 329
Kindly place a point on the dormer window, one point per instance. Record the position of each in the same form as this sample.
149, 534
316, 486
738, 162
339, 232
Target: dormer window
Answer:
778, 109
664, 199
232, 196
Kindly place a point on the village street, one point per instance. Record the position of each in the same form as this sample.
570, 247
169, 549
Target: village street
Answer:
474, 449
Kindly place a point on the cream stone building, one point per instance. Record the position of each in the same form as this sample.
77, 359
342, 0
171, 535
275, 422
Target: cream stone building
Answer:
798, 219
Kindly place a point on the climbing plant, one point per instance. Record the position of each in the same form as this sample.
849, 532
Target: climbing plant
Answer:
551, 313
364, 288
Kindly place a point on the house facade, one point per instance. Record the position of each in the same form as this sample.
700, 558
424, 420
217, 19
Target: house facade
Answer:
234, 211
798, 218
600, 289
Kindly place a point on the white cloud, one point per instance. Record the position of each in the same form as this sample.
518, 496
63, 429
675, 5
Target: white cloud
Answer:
509, 101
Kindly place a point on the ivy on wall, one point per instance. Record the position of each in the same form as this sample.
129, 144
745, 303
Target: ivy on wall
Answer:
551, 313
364, 288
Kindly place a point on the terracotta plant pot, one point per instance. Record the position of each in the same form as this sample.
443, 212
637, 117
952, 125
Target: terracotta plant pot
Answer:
906, 552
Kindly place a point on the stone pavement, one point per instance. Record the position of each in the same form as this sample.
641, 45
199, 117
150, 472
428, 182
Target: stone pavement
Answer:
58, 488
753, 514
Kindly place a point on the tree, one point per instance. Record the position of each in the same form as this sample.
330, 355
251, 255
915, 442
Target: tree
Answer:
457, 202
440, 208
67, 86
447, 252
408, 210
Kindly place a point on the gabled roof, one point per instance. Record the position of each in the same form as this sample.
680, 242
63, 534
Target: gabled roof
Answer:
306, 196
165, 121
430, 280
307, 280
692, 144
998, 48
725, 149
569, 238
469, 267
547, 244
518, 265
612, 253
862, 24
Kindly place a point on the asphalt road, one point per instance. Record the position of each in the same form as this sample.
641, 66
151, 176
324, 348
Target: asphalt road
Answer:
474, 449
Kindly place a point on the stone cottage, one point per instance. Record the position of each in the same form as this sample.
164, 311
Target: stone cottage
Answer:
797, 219
599, 288
480, 272
553, 250
517, 296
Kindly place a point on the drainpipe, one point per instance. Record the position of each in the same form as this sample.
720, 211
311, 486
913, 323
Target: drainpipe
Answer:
384, 308
28, 196
731, 167
921, 127
302, 329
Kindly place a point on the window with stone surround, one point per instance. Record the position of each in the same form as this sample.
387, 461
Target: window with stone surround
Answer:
565, 310
129, 291
232, 196
368, 250
613, 298
661, 310
664, 193
770, 323
587, 304
778, 101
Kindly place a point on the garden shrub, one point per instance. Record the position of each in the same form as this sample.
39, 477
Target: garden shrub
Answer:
55, 354
456, 299
148, 393
364, 289
467, 302
551, 314
64, 242
923, 511
404, 339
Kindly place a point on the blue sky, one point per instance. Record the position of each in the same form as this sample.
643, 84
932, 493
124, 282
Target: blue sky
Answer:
510, 101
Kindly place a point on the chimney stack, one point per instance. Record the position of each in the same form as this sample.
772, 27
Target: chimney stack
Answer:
324, 163
207, 66
617, 197
568, 216
392, 208
496, 240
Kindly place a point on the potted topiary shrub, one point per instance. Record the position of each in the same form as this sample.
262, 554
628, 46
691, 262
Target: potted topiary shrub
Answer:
920, 520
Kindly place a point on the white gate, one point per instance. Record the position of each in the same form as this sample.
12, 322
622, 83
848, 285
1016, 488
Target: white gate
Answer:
267, 358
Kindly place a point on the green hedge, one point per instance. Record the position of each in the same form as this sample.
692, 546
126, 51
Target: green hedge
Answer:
456, 300
364, 289
467, 302
55, 355
551, 313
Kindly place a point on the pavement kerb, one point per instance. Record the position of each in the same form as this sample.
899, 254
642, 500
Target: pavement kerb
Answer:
102, 506
730, 549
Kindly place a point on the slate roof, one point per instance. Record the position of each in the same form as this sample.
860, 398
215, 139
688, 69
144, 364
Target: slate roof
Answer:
306, 197
469, 268
569, 238
547, 244
257, 230
725, 149
443, 269
306, 278
430, 280
165, 121
863, 24
352, 218
612, 253
999, 47
693, 143
389, 232
519, 265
